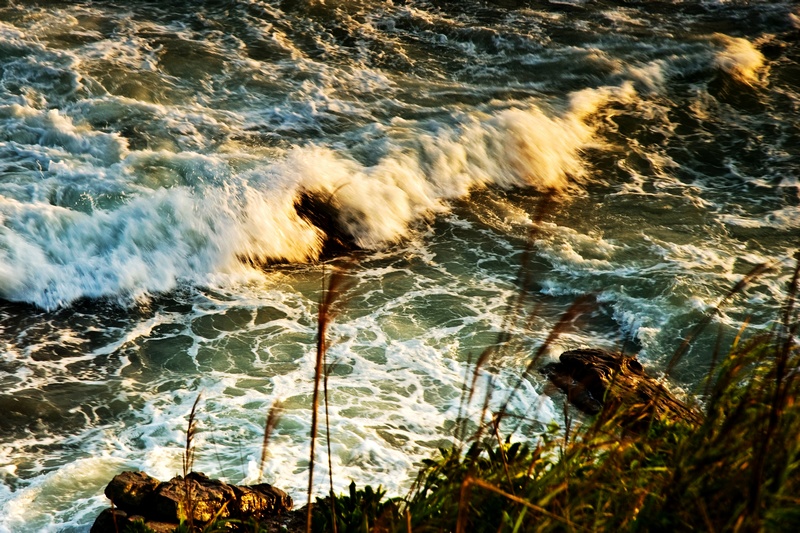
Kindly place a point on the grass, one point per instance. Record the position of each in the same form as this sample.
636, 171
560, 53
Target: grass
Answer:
736, 467
735, 471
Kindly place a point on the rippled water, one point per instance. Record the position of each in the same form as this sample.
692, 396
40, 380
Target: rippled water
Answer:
152, 154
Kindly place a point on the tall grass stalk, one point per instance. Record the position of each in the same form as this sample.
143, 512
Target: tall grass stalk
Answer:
273, 416
326, 312
328, 442
188, 463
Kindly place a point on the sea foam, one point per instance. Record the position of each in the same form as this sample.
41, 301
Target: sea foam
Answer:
740, 59
156, 235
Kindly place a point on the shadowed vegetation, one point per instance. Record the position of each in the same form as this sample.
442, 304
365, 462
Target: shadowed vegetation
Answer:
729, 464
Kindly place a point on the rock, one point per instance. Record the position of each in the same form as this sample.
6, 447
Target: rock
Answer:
110, 520
196, 498
321, 212
260, 501
596, 380
205, 500
129, 489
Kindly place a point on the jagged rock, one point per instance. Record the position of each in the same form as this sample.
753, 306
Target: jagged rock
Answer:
110, 520
260, 501
321, 212
196, 498
595, 380
129, 489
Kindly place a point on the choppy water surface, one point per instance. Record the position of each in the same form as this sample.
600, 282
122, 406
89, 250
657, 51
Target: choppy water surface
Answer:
152, 153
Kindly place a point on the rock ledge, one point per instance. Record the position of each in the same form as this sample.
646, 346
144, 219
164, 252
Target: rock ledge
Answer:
135, 496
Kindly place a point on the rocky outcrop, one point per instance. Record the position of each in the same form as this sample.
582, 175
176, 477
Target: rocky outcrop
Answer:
597, 380
196, 499
321, 212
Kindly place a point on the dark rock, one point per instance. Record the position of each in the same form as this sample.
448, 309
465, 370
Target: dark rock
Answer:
321, 212
196, 499
596, 380
260, 501
129, 489
110, 520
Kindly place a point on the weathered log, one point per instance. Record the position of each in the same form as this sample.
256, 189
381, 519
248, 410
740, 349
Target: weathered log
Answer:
597, 380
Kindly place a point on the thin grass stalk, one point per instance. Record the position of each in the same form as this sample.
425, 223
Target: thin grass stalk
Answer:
486, 399
188, 461
482, 359
324, 317
485, 355
322, 325
714, 360
524, 280
578, 307
328, 441
461, 429
463, 505
271, 421
191, 431
216, 452
752, 275
504, 459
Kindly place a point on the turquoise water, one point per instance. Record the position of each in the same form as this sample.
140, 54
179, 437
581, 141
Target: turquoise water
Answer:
150, 249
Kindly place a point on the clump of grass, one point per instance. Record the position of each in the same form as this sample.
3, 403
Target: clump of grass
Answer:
360, 511
737, 468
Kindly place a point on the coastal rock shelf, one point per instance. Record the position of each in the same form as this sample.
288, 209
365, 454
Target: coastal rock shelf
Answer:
136, 496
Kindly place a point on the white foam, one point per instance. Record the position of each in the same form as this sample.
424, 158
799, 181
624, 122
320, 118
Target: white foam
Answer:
158, 238
741, 60
785, 219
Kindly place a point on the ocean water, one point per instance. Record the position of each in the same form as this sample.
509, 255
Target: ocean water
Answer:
152, 155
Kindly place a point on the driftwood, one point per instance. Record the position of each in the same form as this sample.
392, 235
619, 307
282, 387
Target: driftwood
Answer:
597, 381
197, 499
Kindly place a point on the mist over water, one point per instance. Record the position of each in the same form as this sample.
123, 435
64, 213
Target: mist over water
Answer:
152, 155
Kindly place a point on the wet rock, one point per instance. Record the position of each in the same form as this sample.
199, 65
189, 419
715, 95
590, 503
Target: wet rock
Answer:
260, 501
129, 489
321, 212
110, 520
196, 499
597, 380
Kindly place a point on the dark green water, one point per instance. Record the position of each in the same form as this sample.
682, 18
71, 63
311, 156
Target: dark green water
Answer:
151, 153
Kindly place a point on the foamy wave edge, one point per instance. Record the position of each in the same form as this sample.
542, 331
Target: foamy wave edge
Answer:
52, 255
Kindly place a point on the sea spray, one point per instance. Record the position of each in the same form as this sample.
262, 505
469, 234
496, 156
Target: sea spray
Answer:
160, 236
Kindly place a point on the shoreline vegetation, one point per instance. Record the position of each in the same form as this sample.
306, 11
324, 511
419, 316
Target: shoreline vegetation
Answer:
631, 455
640, 460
